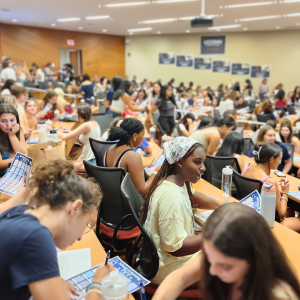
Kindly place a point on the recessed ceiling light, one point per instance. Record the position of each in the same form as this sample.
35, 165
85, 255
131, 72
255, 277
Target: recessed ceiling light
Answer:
293, 15
140, 29
127, 4
250, 4
158, 32
277, 27
79, 27
221, 7
290, 1
53, 24
245, 28
97, 17
99, 5
171, 1
131, 33
224, 27
14, 20
68, 20
159, 21
187, 31
259, 18
104, 30
298, 24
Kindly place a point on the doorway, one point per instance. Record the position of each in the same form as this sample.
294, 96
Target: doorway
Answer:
73, 57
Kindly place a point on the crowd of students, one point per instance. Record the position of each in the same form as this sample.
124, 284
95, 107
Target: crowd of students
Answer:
226, 258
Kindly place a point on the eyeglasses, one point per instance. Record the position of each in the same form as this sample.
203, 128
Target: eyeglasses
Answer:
91, 226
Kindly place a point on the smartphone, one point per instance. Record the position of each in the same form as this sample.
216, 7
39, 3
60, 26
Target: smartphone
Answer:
279, 174
146, 155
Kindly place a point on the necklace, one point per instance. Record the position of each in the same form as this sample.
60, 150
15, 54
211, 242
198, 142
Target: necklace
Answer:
178, 183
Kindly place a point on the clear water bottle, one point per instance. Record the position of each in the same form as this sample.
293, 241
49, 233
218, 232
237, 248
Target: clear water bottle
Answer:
42, 131
114, 286
268, 203
56, 113
227, 180
50, 137
152, 133
55, 136
164, 139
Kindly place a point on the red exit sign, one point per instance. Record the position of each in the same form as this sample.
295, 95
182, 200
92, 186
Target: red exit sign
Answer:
70, 42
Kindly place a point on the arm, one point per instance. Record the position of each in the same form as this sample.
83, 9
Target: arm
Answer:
179, 280
130, 104
287, 166
241, 162
296, 143
214, 141
84, 128
191, 245
17, 145
153, 109
205, 202
4, 163
133, 96
13, 201
148, 149
61, 109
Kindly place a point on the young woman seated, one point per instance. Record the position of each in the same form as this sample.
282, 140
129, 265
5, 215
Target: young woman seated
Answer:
185, 125
130, 134
60, 98
115, 122
9, 99
28, 121
50, 98
267, 157
88, 129
233, 264
167, 212
11, 136
209, 137
286, 135
227, 102
268, 135
60, 208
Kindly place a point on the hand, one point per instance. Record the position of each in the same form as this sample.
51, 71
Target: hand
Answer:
157, 168
189, 121
69, 287
41, 114
14, 130
65, 130
143, 108
103, 271
284, 187
27, 134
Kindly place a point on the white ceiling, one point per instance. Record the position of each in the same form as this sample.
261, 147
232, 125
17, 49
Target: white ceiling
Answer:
43, 13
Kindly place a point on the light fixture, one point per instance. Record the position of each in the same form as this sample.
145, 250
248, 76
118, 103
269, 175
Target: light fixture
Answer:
187, 31
158, 32
131, 33
245, 28
250, 4
68, 20
79, 27
53, 24
99, 5
97, 17
258, 18
289, 1
292, 15
193, 17
14, 20
224, 27
104, 30
298, 24
159, 21
127, 4
221, 7
277, 27
140, 29
171, 1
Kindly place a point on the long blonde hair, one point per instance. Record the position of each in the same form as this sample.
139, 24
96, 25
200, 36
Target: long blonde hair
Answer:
60, 96
23, 67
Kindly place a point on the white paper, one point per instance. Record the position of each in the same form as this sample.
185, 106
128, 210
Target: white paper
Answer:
74, 262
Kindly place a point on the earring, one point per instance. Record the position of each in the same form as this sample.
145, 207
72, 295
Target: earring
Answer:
134, 139
180, 166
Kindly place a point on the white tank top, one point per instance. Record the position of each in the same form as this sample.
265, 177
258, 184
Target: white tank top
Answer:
118, 105
87, 152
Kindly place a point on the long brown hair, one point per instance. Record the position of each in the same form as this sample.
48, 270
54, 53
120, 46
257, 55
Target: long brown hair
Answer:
49, 95
262, 133
289, 138
5, 144
166, 170
237, 230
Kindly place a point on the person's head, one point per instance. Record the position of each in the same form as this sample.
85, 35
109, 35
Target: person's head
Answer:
236, 87
184, 119
267, 107
215, 103
286, 133
230, 95
51, 98
191, 84
167, 93
86, 77
193, 95
23, 64
71, 199
20, 93
5, 64
285, 121
266, 134
9, 117
183, 157
232, 144
181, 84
272, 123
30, 107
9, 84
248, 82
124, 87
49, 64
199, 89
279, 86
172, 80
9, 99
231, 113
60, 96
264, 81
156, 89
280, 94
225, 124
116, 122
239, 247
185, 95
142, 94
205, 122
297, 91
34, 66
84, 112
131, 133
102, 79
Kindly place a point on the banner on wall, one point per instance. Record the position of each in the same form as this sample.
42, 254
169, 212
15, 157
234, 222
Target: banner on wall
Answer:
221, 66
240, 69
184, 60
262, 71
213, 44
167, 58
201, 63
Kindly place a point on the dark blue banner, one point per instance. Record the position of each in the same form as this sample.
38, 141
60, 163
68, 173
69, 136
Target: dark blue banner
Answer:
240, 69
262, 71
221, 66
202, 63
213, 44
166, 58
184, 61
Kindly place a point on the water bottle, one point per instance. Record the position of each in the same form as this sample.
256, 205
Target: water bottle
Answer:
164, 139
268, 203
56, 113
55, 136
114, 286
82, 101
152, 131
227, 180
50, 137
42, 132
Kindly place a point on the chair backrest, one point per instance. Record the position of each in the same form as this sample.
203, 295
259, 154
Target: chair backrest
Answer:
180, 133
245, 185
57, 85
240, 130
291, 109
291, 149
262, 96
214, 166
43, 85
103, 121
216, 113
99, 148
29, 84
252, 104
263, 118
148, 262
247, 145
101, 95
113, 206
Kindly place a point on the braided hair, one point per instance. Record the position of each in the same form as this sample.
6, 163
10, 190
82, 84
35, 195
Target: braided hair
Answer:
123, 133
166, 170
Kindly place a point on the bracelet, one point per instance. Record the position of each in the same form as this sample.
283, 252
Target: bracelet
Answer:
94, 290
284, 199
92, 285
284, 193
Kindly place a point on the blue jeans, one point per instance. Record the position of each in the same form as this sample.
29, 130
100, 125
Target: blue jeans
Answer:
114, 114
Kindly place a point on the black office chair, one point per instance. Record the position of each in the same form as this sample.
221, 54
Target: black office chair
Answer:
103, 121
252, 104
245, 185
291, 109
240, 130
57, 85
29, 84
99, 148
112, 220
262, 96
247, 145
43, 85
291, 148
264, 118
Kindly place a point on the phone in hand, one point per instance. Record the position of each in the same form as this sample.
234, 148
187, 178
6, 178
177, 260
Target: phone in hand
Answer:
279, 174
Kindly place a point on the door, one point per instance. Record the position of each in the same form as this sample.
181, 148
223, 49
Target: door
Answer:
74, 61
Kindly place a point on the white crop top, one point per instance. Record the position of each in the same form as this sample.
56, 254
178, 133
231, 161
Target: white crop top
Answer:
118, 105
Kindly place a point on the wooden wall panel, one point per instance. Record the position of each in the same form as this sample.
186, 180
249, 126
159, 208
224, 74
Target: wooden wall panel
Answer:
101, 54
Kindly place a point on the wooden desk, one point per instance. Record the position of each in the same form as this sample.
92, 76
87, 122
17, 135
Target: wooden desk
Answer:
289, 240
296, 164
248, 132
157, 151
98, 254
